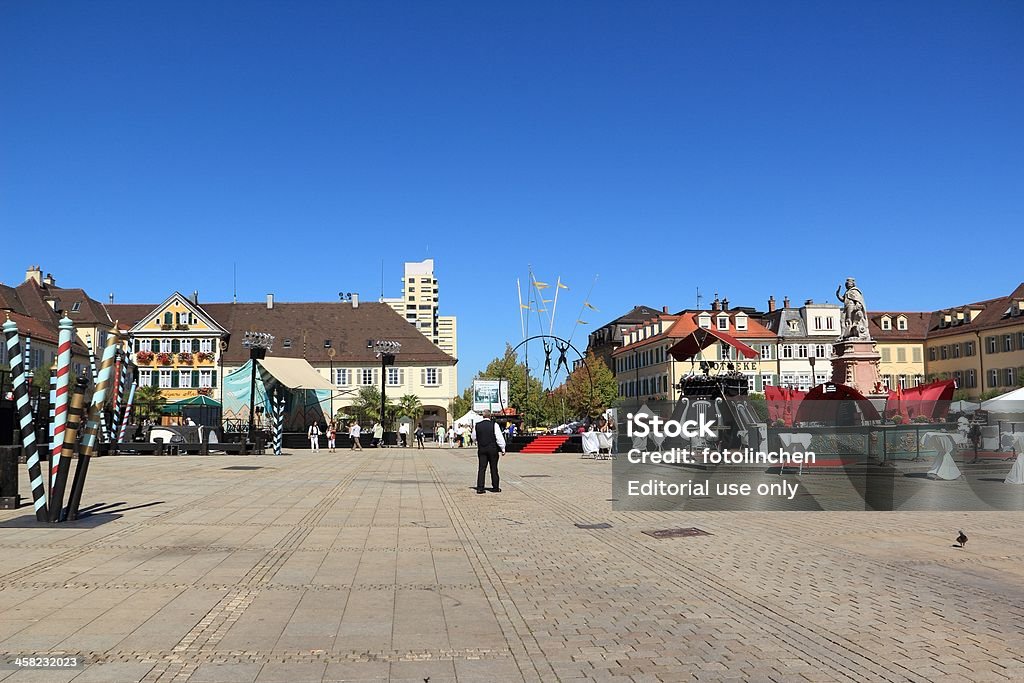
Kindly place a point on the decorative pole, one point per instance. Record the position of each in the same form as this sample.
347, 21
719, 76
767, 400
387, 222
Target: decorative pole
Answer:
127, 413
92, 426
74, 421
119, 389
92, 359
52, 400
60, 404
28, 433
278, 422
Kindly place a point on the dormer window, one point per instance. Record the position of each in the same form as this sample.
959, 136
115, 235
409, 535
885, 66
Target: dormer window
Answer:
723, 322
704, 321
741, 322
287, 343
901, 323
886, 322
76, 307
794, 325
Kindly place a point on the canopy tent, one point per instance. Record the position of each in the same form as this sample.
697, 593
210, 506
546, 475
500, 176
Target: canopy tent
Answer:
835, 404
1009, 406
963, 407
701, 338
306, 393
199, 401
470, 418
928, 400
202, 409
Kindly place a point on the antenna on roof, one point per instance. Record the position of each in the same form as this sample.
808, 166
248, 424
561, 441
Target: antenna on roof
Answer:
382, 279
234, 282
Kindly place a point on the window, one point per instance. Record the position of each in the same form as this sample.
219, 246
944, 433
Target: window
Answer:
916, 354
327, 343
767, 380
993, 379
723, 322
342, 377
165, 346
741, 322
801, 350
165, 379
1020, 340
968, 349
819, 322
1008, 344
366, 377
991, 344
724, 352
789, 379
431, 377
145, 378
287, 344
1008, 378
751, 382
396, 377
971, 379
886, 322
185, 345
931, 353
704, 321
143, 345
958, 378
956, 350
184, 378
168, 318
766, 351
901, 323
886, 354
830, 323
205, 379
76, 307
820, 378
944, 352
821, 351
901, 355
787, 351
903, 381
206, 345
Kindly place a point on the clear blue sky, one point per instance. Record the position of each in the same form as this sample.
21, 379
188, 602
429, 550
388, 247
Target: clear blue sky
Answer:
749, 148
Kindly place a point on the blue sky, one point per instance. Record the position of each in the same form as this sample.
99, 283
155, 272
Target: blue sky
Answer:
748, 148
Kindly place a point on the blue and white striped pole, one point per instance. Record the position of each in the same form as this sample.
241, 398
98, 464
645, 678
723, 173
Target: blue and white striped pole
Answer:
25, 424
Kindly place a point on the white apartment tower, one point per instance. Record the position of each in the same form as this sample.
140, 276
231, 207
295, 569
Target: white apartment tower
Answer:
418, 305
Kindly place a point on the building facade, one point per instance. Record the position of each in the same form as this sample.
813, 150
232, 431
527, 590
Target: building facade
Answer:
900, 339
805, 336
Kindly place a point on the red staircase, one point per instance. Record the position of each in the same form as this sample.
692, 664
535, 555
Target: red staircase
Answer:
545, 444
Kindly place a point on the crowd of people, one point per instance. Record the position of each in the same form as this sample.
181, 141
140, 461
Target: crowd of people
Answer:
452, 436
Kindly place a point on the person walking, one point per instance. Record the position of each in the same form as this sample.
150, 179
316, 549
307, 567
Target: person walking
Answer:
378, 435
313, 433
439, 434
490, 447
419, 437
353, 433
451, 436
403, 434
332, 434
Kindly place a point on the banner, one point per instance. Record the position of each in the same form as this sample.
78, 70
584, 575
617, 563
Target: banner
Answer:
490, 394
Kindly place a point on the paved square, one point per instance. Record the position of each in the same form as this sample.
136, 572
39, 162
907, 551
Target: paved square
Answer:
385, 565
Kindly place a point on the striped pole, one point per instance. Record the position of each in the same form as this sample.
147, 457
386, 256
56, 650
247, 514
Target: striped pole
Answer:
127, 413
278, 422
28, 434
51, 402
92, 359
74, 421
28, 356
92, 426
117, 393
60, 411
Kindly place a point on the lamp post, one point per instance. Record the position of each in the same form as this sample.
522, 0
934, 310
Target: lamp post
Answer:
258, 344
385, 349
330, 356
812, 359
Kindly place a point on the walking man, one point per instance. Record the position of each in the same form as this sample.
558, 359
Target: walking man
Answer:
490, 446
314, 437
353, 432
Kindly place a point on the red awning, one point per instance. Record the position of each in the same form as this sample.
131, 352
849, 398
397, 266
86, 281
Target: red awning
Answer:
698, 340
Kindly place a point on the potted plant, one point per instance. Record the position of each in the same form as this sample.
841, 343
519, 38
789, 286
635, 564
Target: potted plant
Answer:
185, 357
163, 358
144, 357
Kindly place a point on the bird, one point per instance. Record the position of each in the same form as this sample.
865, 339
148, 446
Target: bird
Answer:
962, 538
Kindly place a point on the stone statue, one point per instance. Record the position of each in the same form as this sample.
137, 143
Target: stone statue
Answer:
855, 314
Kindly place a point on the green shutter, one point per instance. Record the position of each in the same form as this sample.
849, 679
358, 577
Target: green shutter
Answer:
175, 346
174, 380
195, 346
136, 346
213, 376
168, 318
195, 380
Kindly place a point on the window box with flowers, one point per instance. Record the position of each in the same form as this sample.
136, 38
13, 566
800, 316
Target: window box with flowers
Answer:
181, 326
185, 357
144, 357
163, 358
205, 357
204, 391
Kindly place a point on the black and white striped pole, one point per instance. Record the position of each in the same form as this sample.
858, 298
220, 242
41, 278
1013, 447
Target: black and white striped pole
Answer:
25, 423
71, 426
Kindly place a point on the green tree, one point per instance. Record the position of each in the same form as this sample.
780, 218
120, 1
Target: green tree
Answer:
367, 406
410, 406
461, 404
591, 388
148, 402
526, 395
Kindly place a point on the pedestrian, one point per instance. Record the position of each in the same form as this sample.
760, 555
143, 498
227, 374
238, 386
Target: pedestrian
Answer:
313, 433
419, 436
440, 432
490, 447
451, 436
353, 433
378, 434
403, 434
332, 433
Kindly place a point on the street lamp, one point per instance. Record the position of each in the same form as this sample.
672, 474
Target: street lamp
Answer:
385, 349
812, 359
330, 355
258, 344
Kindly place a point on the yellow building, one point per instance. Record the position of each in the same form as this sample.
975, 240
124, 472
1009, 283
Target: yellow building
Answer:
980, 345
900, 339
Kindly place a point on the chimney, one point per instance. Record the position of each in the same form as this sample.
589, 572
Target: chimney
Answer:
49, 281
808, 302
725, 304
270, 302
195, 297
33, 273
355, 300
664, 309
716, 305
771, 303
785, 302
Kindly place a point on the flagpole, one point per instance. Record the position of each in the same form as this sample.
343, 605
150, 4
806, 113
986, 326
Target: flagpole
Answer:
585, 302
519, 290
554, 305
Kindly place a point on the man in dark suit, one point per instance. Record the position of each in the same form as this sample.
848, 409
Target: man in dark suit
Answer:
490, 445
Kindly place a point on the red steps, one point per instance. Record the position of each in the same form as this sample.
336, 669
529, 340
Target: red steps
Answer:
545, 444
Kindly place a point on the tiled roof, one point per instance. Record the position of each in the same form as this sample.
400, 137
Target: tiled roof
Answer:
685, 323
308, 326
917, 325
993, 314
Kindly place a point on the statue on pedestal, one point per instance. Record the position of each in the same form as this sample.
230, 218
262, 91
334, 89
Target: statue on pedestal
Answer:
855, 314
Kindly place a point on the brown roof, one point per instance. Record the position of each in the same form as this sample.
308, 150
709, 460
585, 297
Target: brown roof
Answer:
308, 325
917, 326
993, 314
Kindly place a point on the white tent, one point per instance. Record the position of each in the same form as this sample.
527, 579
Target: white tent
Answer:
1009, 406
470, 418
962, 407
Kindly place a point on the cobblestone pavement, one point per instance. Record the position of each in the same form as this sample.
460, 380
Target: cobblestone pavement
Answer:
386, 565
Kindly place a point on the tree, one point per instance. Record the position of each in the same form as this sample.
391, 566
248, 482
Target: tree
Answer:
591, 388
461, 404
148, 402
367, 405
410, 406
526, 395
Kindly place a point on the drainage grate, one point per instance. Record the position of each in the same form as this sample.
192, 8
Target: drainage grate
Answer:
242, 467
599, 525
677, 533
535, 476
